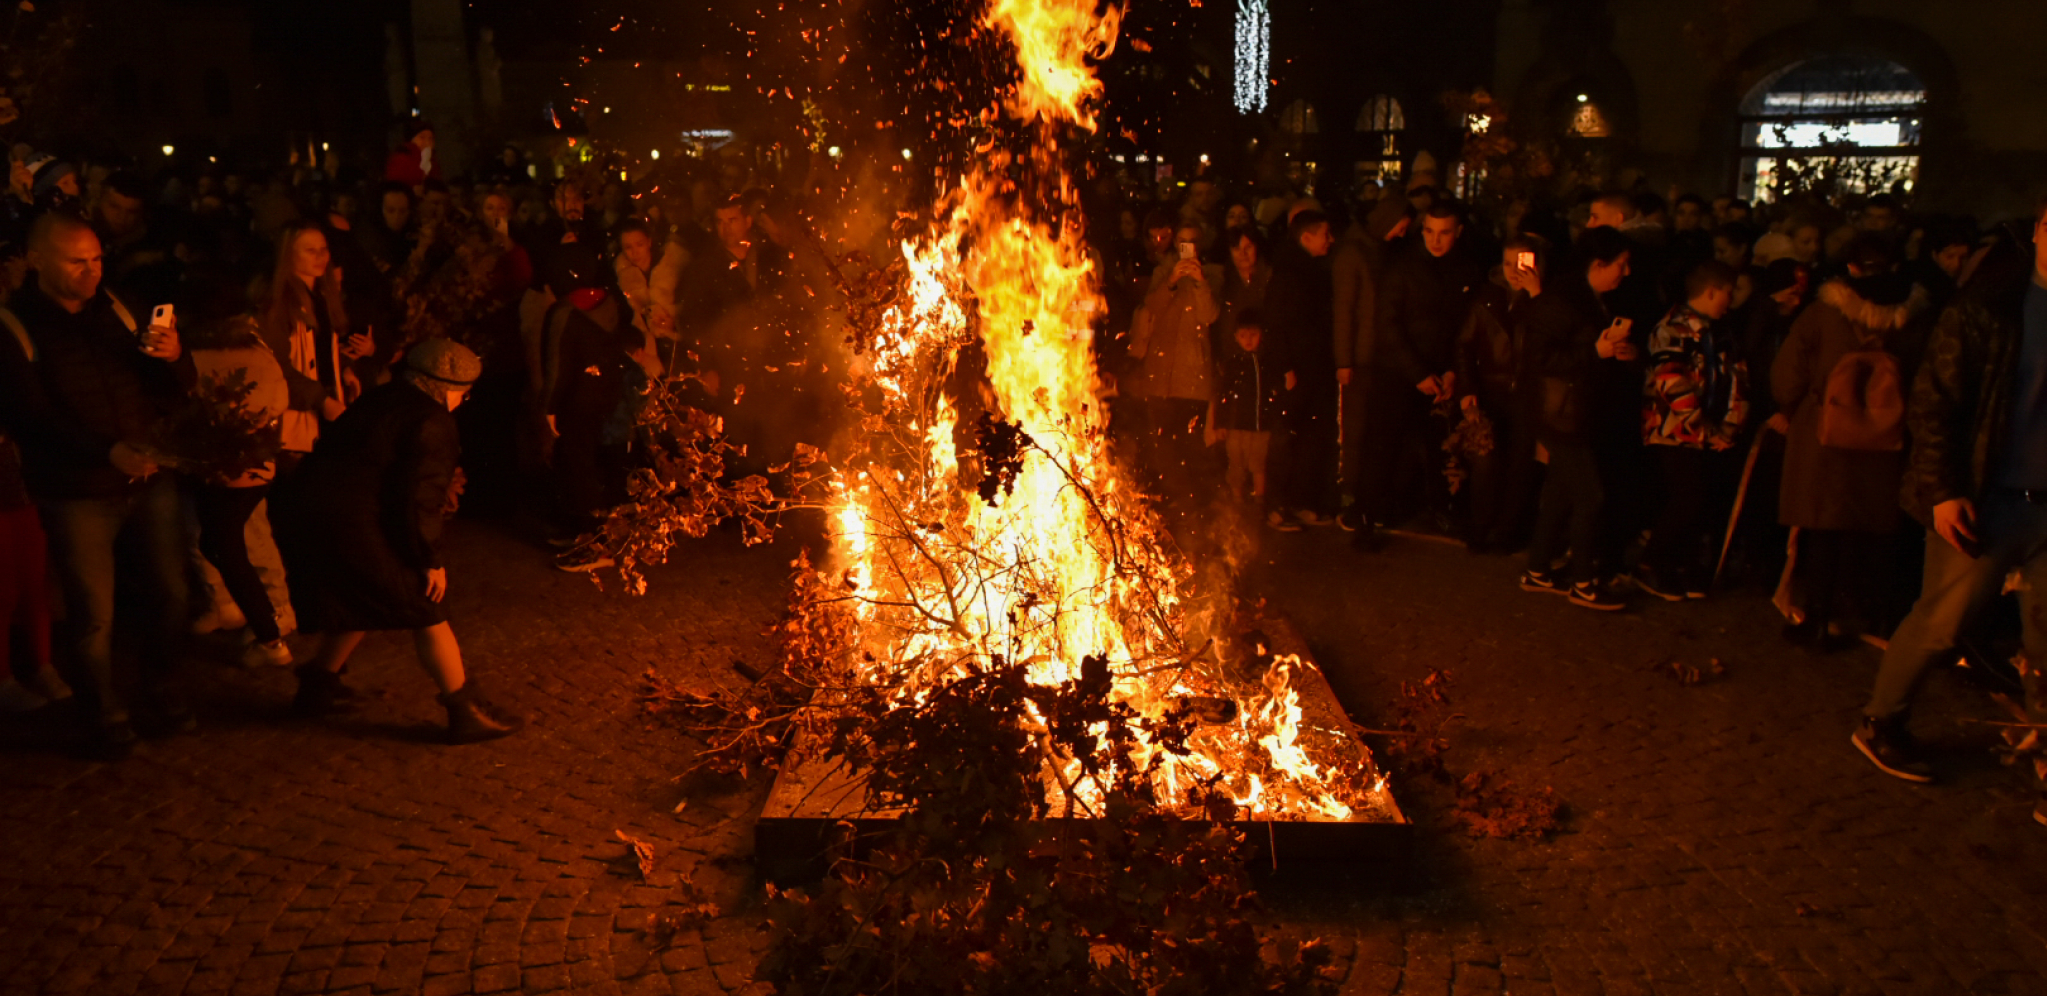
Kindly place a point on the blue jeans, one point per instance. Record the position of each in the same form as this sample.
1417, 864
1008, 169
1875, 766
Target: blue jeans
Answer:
2013, 535
84, 533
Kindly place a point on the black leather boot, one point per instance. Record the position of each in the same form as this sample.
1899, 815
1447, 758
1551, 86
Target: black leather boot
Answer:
471, 719
322, 693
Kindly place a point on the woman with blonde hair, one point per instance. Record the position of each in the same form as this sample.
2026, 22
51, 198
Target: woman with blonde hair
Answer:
306, 328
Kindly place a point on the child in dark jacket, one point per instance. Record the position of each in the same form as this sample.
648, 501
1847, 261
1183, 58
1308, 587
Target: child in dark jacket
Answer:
1247, 405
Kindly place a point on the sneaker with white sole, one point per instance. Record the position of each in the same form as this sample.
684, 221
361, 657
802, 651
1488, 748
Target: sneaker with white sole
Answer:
582, 561
1282, 522
1543, 581
1593, 595
1888, 745
1650, 584
275, 653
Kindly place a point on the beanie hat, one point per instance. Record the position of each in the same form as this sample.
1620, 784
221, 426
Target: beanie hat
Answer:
48, 170
446, 361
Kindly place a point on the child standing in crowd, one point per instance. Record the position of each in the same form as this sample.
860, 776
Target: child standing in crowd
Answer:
1247, 407
1695, 402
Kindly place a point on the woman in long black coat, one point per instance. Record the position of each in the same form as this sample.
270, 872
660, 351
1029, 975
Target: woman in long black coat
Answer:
360, 530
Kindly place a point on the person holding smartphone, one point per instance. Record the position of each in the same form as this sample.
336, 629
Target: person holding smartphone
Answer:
1571, 335
1175, 366
82, 387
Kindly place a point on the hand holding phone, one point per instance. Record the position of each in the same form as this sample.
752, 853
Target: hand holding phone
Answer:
160, 339
1526, 261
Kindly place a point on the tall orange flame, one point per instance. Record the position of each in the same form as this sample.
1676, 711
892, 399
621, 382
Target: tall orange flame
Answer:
1072, 562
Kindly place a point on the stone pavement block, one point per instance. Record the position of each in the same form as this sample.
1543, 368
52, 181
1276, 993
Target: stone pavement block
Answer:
496, 978
446, 985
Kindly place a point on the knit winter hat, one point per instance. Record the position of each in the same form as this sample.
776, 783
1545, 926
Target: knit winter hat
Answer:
446, 361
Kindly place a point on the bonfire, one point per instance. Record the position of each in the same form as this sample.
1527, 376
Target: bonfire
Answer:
979, 519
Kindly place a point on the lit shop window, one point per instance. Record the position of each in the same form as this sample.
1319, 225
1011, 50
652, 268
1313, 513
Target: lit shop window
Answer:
1832, 125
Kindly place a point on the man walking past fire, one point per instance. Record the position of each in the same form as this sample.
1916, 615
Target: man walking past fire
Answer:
1977, 478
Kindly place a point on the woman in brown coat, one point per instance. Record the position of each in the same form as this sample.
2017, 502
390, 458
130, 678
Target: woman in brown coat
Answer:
1842, 501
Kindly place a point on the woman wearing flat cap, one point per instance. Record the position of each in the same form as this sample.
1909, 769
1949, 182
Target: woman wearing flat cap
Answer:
360, 530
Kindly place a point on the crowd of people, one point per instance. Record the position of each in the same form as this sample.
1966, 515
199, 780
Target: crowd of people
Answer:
307, 306
1653, 395
1650, 394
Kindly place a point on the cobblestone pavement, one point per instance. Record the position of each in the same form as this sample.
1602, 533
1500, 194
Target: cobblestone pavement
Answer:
1724, 838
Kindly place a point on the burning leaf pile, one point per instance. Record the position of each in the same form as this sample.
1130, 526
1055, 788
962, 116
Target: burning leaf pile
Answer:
981, 522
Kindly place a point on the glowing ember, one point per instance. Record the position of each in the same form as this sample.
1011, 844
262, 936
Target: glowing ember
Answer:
1067, 561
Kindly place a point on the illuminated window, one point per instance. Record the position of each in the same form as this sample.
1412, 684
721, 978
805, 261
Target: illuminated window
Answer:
1588, 121
1832, 125
1254, 55
1299, 119
1380, 121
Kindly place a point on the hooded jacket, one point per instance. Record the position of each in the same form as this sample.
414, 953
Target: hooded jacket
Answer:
1825, 487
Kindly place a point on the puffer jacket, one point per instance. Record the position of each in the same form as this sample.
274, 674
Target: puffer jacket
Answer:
1696, 393
1960, 410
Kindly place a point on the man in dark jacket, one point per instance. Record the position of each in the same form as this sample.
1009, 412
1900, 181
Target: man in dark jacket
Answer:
1426, 296
1976, 477
1297, 310
1358, 266
81, 391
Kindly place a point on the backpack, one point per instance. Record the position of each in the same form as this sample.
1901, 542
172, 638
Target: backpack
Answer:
1863, 404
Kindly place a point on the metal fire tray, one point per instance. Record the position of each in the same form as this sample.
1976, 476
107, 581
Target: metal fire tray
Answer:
812, 807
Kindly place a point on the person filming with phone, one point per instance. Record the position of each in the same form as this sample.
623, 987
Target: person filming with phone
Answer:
1572, 341
1175, 371
82, 386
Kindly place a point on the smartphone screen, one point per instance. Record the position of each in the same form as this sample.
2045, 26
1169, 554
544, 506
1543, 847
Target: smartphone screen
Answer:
1186, 250
1525, 261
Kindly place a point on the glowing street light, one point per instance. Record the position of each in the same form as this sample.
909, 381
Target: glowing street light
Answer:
168, 149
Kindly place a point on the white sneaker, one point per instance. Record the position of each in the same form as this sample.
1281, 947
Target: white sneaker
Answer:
576, 562
276, 653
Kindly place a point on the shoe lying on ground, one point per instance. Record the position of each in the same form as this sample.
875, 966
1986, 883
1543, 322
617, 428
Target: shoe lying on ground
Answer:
322, 693
1282, 521
1543, 581
1350, 520
272, 654
1593, 595
582, 561
1656, 587
1313, 518
15, 697
472, 719
1890, 747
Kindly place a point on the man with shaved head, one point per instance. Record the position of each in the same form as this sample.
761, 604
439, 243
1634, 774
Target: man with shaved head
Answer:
82, 386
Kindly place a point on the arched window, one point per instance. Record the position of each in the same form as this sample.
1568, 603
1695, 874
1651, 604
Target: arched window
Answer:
1299, 119
1380, 122
1831, 125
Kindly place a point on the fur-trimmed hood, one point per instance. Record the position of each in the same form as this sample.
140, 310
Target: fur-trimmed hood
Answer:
1877, 317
